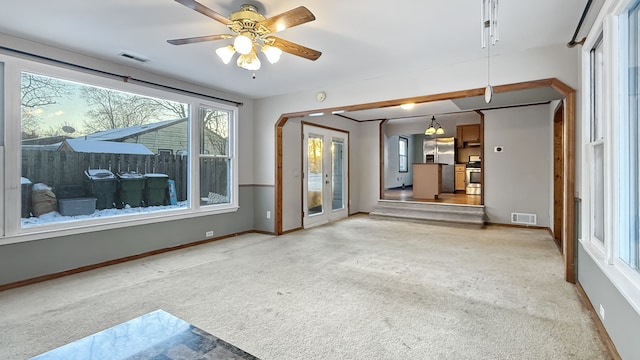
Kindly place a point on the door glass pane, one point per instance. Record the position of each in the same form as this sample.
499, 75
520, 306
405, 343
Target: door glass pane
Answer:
337, 183
314, 171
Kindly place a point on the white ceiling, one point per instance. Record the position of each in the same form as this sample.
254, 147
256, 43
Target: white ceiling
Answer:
359, 39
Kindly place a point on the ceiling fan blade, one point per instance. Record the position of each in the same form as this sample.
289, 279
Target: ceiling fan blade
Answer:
198, 39
192, 4
293, 48
291, 18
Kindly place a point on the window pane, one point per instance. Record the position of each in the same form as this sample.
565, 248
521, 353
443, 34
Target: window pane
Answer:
215, 160
337, 185
214, 132
90, 151
598, 192
597, 84
214, 181
630, 248
403, 149
315, 171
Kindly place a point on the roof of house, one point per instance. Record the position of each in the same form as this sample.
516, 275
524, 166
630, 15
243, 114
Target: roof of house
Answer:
127, 132
109, 147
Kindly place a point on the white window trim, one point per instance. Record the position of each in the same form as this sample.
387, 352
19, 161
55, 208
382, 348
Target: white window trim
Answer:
622, 276
12, 232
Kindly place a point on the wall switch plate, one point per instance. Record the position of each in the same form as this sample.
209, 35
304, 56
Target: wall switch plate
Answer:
209, 233
268, 214
601, 312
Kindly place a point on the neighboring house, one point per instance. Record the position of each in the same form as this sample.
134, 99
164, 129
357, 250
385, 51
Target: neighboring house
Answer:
106, 147
169, 136
162, 137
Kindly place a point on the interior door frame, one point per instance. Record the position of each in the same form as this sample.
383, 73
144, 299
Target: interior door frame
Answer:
568, 151
347, 201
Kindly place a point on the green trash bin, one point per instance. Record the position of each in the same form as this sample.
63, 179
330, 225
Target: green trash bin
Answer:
130, 186
155, 189
26, 197
101, 184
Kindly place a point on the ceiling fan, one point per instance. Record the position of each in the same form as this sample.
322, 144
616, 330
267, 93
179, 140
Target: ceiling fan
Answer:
252, 30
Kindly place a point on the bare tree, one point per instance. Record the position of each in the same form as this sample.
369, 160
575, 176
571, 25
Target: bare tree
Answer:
112, 109
37, 92
215, 131
172, 108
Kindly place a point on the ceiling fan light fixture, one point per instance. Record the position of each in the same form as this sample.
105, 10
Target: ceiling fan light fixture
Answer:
272, 53
440, 131
226, 53
249, 61
243, 44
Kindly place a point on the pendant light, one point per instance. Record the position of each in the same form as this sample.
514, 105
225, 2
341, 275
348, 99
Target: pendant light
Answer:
489, 37
434, 128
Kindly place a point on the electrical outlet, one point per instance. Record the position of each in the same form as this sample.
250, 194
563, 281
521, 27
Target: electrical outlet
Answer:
601, 312
268, 214
209, 233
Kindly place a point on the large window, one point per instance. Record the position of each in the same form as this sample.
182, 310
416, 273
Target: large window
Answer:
93, 148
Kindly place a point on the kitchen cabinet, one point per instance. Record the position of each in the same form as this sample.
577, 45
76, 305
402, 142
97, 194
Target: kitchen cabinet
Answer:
468, 134
461, 178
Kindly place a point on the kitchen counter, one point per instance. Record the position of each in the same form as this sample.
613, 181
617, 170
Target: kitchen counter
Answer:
427, 180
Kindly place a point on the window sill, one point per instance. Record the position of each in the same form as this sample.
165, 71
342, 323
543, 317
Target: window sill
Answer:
624, 279
110, 223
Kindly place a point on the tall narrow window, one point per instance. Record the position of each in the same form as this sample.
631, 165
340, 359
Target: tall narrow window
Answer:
403, 151
629, 250
215, 156
597, 143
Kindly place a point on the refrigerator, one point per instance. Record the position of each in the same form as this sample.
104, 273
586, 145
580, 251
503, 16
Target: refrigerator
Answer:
442, 151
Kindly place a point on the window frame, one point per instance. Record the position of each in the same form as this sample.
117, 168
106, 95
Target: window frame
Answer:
12, 232
403, 159
611, 22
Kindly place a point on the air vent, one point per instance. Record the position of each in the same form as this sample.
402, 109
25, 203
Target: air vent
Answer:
131, 56
524, 219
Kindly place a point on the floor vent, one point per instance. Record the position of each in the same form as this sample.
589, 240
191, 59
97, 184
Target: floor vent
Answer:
522, 218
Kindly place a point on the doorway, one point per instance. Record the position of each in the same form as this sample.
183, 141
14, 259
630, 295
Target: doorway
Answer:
326, 177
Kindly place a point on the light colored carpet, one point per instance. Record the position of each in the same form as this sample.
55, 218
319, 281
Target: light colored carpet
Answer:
355, 289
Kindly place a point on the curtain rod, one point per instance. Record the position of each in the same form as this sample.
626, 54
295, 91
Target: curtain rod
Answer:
573, 41
124, 78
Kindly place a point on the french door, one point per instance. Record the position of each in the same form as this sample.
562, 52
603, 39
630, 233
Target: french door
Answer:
326, 176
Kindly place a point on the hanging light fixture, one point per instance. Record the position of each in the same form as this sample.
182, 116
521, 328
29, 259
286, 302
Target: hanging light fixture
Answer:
489, 37
249, 61
434, 128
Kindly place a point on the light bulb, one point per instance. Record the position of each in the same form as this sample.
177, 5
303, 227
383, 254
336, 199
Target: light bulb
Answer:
243, 44
226, 53
272, 53
407, 106
249, 61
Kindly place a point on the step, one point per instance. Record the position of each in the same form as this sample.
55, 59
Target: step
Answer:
435, 213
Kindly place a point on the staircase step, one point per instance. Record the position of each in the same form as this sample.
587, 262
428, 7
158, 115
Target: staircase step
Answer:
435, 213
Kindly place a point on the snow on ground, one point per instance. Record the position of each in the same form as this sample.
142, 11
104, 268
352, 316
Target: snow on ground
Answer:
55, 217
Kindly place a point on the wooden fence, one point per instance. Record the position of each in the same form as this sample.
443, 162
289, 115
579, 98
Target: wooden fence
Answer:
56, 168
